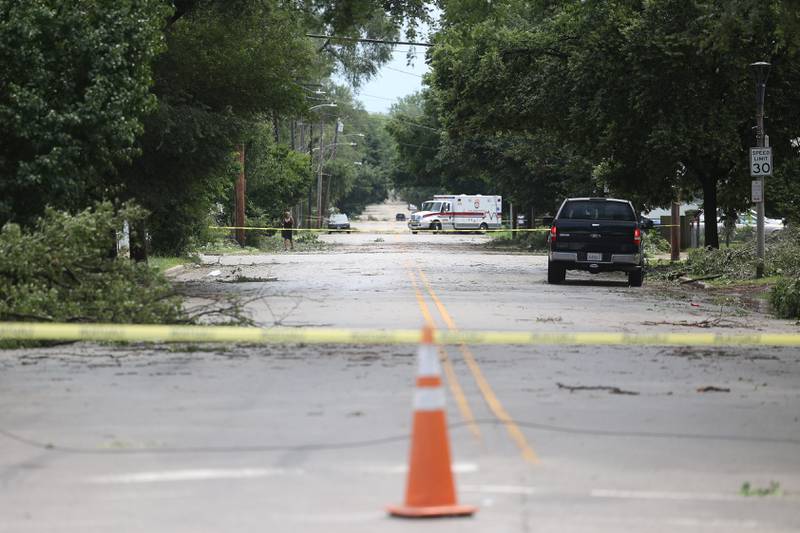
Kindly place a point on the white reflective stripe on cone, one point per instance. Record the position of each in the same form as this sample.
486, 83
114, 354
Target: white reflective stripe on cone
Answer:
428, 361
429, 399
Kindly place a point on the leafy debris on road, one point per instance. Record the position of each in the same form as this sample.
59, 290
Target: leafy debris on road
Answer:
774, 489
685, 280
611, 390
248, 279
548, 319
707, 323
712, 388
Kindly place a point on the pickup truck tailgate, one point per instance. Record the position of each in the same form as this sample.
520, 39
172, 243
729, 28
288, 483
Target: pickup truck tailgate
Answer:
602, 236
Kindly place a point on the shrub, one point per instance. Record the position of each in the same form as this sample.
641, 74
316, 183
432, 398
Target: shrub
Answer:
783, 252
736, 262
527, 240
785, 298
655, 244
782, 258
62, 270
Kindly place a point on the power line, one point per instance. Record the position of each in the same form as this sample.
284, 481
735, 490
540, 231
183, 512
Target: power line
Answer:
322, 446
414, 124
360, 40
419, 146
403, 71
378, 97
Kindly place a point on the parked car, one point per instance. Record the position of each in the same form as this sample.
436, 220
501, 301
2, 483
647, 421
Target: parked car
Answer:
400, 217
747, 220
339, 221
596, 235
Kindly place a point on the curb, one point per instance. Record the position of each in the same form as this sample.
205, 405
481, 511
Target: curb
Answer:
174, 270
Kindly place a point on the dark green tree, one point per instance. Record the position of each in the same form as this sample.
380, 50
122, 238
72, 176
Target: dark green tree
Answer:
227, 65
277, 177
74, 85
656, 95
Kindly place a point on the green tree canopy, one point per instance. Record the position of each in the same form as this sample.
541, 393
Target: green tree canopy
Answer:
74, 85
656, 94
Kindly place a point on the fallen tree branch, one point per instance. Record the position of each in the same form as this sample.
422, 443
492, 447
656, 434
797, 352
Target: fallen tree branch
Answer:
707, 323
712, 388
703, 278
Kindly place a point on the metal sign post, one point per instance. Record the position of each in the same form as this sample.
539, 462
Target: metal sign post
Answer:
760, 159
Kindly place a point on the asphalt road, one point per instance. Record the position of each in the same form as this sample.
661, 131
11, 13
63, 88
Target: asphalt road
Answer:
314, 438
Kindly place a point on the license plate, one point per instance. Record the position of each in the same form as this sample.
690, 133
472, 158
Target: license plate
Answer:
591, 256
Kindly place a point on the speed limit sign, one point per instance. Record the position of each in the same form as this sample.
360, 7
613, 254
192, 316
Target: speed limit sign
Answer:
761, 161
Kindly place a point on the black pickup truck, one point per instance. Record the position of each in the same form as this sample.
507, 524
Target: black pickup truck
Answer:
598, 235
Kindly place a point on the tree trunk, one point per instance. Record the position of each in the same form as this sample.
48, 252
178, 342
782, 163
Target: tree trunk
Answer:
239, 189
138, 241
710, 211
112, 250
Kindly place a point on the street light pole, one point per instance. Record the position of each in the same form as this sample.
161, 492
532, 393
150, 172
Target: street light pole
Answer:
319, 174
761, 72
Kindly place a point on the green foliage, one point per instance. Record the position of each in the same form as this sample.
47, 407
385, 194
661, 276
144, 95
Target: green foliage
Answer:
187, 166
774, 489
225, 67
62, 271
426, 157
368, 187
74, 85
655, 97
241, 59
354, 176
738, 262
784, 297
783, 252
655, 244
735, 262
535, 241
277, 177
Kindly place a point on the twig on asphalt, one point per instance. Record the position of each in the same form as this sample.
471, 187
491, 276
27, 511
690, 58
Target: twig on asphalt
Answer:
707, 323
611, 390
712, 388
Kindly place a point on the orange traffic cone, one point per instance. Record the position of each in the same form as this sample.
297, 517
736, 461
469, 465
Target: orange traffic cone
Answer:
430, 491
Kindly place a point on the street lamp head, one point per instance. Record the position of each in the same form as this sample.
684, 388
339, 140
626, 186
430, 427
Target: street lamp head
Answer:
312, 108
760, 71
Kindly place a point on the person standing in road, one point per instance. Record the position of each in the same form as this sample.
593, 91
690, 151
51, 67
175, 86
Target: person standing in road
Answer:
286, 232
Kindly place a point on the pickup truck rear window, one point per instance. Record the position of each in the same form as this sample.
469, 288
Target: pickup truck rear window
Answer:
597, 210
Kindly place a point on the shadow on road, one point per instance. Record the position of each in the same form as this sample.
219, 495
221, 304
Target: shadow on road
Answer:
595, 283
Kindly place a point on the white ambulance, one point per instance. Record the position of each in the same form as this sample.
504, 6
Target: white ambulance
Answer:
461, 211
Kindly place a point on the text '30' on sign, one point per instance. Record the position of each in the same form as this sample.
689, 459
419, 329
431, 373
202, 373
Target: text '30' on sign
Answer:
761, 161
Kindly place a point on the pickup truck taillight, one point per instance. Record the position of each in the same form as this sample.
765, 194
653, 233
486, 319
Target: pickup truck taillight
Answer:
553, 233
637, 236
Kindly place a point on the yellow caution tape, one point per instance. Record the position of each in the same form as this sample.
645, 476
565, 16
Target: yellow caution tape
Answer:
309, 335
379, 232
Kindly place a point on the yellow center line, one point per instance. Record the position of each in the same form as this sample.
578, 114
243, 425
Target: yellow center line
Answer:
447, 364
488, 394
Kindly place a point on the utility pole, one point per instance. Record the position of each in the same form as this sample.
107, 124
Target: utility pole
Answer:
319, 175
327, 197
300, 206
239, 194
310, 203
675, 231
761, 71
321, 159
